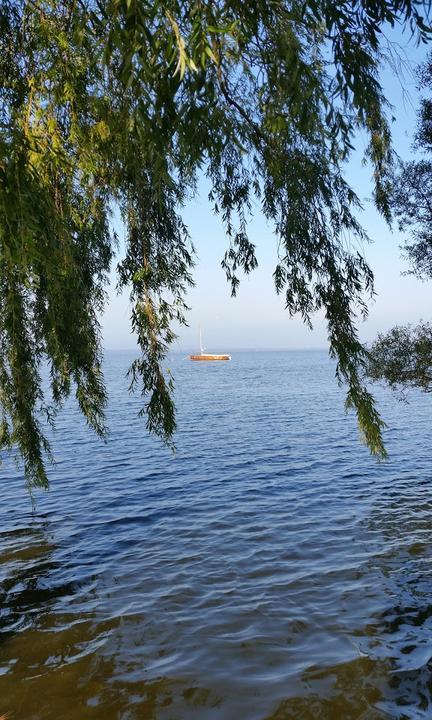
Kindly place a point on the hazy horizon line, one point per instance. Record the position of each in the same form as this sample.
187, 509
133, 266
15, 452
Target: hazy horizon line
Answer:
231, 349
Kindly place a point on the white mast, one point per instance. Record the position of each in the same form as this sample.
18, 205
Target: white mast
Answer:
201, 345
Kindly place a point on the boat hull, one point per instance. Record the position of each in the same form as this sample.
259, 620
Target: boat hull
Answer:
209, 357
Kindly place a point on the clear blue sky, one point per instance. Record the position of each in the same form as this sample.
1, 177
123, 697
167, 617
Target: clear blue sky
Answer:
256, 318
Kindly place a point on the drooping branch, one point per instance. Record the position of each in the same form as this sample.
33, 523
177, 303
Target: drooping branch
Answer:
128, 103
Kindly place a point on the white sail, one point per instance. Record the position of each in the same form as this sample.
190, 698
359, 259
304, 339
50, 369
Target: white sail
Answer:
206, 356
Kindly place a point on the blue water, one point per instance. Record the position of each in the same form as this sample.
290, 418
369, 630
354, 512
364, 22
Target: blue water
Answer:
270, 569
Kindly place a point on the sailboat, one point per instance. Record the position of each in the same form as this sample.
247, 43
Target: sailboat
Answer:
208, 356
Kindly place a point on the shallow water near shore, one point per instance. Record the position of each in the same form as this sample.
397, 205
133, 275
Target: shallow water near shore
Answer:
270, 570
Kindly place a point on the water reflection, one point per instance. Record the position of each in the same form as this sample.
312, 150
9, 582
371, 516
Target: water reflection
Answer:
402, 633
48, 649
272, 570
351, 690
75, 650
57, 659
392, 675
26, 561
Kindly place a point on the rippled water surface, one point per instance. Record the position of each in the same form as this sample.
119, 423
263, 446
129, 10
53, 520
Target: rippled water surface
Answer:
269, 570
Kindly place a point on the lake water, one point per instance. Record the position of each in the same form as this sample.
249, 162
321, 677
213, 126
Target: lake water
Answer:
271, 569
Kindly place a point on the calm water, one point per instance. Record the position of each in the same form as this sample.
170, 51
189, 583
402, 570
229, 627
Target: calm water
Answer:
270, 570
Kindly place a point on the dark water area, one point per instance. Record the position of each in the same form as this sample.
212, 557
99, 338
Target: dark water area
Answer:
270, 570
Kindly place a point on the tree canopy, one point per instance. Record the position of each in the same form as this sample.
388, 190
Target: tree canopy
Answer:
127, 103
402, 357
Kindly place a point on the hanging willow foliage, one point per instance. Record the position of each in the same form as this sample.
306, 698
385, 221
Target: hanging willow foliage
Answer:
123, 103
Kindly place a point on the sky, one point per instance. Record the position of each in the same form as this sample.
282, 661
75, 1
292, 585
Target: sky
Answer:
256, 318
